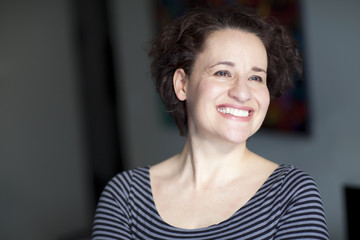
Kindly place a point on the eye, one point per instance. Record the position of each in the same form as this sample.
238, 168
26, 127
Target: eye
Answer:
223, 74
256, 78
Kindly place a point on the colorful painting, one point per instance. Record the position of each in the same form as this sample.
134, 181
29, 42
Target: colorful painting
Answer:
290, 112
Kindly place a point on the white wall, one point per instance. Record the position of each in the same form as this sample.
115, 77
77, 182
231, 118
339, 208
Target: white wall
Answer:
44, 187
329, 154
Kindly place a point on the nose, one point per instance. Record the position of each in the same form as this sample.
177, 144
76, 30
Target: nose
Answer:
240, 91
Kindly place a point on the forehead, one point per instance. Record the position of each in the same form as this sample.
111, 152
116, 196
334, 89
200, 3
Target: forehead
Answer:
233, 44
236, 34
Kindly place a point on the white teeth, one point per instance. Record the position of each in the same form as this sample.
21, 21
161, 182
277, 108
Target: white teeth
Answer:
234, 111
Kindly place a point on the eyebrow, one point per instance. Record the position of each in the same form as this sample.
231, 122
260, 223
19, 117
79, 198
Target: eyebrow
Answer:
257, 69
227, 63
231, 64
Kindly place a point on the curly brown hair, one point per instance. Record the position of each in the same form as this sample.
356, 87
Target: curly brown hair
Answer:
180, 42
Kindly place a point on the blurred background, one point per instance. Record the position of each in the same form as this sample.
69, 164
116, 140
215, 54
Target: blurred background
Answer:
78, 105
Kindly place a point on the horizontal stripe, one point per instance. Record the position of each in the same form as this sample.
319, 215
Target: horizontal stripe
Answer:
287, 206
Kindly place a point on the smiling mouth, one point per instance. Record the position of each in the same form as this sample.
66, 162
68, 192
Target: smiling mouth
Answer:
234, 111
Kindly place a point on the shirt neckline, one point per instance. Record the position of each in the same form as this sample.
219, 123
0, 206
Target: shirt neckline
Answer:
279, 169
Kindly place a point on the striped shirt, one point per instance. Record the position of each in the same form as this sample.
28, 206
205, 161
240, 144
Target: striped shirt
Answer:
287, 206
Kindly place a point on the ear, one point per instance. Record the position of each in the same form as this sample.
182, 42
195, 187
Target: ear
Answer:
180, 84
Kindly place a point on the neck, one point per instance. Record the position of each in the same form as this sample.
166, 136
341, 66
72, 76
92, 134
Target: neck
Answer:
203, 162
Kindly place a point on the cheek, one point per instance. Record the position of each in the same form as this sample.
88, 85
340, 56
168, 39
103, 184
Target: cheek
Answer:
204, 92
263, 97
208, 89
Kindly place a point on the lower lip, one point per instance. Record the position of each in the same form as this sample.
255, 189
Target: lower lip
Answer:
236, 118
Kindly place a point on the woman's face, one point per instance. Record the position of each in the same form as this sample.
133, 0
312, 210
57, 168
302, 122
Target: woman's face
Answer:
226, 93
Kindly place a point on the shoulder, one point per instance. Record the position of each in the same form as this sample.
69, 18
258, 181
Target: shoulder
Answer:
113, 215
302, 213
122, 184
292, 176
295, 185
166, 168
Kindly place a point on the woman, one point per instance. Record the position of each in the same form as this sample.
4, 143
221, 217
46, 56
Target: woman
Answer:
216, 70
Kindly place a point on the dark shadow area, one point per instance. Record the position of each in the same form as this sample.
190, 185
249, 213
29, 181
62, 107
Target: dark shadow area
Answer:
99, 94
352, 200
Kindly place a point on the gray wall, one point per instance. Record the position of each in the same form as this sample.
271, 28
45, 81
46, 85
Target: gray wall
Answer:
330, 154
45, 190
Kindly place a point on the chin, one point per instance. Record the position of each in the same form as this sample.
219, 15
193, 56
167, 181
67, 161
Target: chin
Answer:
237, 138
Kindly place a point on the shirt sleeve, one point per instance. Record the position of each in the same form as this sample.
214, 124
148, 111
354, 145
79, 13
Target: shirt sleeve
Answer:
303, 216
112, 219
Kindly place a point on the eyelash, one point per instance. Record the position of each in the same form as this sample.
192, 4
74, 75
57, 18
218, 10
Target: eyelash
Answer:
223, 74
259, 79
